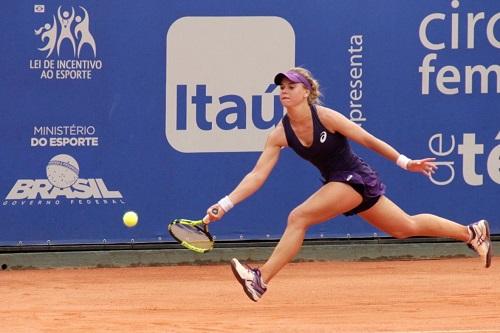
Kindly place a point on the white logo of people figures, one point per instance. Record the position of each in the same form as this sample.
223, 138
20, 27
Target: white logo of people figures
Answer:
71, 29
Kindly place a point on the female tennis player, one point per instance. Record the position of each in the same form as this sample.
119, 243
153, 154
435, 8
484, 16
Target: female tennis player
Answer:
320, 135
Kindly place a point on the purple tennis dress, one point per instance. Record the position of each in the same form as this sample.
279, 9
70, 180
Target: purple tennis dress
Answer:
332, 155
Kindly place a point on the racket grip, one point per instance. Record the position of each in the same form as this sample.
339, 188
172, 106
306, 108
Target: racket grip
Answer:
206, 219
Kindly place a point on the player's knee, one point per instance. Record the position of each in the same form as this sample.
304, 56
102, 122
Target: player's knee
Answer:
407, 228
297, 219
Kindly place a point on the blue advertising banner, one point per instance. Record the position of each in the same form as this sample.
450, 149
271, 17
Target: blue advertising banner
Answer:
161, 107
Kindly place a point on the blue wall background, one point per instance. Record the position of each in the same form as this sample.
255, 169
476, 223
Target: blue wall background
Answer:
118, 108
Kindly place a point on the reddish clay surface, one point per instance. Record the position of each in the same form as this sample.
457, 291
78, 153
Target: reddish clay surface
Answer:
455, 295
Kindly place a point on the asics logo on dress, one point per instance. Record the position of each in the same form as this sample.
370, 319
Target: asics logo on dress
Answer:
322, 138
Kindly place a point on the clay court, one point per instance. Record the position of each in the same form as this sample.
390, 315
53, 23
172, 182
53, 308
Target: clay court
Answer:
431, 296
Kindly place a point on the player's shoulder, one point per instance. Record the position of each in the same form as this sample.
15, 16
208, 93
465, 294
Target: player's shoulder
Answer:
328, 116
277, 136
324, 111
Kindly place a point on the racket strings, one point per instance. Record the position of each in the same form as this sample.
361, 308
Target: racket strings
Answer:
192, 235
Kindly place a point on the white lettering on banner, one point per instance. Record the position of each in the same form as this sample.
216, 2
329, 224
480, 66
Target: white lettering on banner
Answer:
62, 185
224, 101
64, 130
56, 202
64, 135
469, 150
449, 79
73, 74
79, 64
43, 189
356, 82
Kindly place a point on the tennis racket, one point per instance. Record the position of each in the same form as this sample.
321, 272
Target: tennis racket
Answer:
193, 234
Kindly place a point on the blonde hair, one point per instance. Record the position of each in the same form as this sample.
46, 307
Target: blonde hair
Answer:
314, 93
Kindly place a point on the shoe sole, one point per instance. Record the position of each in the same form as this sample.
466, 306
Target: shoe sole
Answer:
241, 281
490, 247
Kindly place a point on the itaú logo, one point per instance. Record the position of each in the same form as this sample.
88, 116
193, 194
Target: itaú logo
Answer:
219, 91
63, 182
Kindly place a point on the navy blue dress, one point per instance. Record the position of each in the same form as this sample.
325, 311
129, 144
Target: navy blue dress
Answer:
332, 155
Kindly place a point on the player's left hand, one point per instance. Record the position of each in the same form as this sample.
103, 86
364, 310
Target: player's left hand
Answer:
427, 166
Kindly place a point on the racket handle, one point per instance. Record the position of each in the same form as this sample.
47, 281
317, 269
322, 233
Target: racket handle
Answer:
206, 219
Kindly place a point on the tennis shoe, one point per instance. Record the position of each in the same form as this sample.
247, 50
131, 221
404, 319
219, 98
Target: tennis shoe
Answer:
250, 279
480, 241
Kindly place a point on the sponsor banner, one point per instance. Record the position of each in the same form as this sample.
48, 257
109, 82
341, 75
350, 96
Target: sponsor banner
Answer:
246, 106
162, 107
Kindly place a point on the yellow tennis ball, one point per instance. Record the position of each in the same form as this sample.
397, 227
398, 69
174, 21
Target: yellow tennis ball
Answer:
130, 219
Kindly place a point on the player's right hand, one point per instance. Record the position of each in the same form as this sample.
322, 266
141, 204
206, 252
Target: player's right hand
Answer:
215, 213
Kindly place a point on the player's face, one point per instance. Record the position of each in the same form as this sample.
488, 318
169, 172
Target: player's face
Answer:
292, 94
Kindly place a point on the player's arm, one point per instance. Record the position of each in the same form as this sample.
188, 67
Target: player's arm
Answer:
254, 180
335, 121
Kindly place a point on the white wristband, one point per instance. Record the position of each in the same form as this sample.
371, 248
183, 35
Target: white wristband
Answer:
226, 204
403, 161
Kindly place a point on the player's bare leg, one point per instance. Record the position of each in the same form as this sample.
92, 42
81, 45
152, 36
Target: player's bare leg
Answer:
329, 201
388, 217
